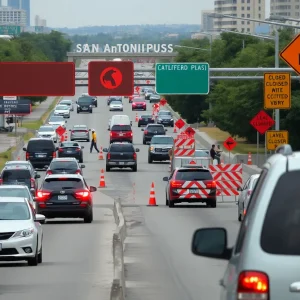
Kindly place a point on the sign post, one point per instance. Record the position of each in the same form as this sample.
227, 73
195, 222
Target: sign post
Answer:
182, 78
261, 122
276, 138
277, 90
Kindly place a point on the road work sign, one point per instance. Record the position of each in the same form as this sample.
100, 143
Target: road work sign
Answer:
276, 138
277, 90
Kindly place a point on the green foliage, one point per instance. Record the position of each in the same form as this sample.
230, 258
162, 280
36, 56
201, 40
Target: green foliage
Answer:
35, 47
235, 102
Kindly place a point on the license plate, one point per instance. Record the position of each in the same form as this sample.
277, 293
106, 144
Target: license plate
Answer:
65, 197
41, 156
69, 151
121, 163
121, 134
193, 191
84, 108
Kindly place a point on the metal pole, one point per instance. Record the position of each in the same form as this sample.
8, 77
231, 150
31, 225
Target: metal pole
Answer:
210, 63
277, 111
257, 147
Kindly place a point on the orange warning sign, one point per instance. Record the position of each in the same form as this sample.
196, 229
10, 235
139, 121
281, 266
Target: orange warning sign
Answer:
291, 54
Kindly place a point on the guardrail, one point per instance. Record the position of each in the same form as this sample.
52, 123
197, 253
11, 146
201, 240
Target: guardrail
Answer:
118, 288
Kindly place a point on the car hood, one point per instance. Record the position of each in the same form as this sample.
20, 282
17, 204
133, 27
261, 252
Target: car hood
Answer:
61, 111
116, 105
57, 123
15, 225
165, 117
161, 146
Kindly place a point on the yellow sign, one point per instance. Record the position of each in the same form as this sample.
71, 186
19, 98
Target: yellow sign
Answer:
276, 138
277, 90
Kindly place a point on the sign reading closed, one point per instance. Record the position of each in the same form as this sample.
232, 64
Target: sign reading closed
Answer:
276, 138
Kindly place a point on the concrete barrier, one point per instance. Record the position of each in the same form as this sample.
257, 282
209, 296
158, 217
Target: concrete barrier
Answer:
118, 288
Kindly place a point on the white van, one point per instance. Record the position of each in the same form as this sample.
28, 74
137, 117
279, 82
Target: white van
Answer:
119, 120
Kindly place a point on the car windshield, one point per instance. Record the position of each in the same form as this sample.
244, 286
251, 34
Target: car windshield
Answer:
14, 211
40, 145
56, 119
193, 175
138, 100
115, 102
69, 144
61, 107
121, 148
19, 192
156, 128
66, 103
164, 113
85, 100
162, 140
63, 165
46, 129
146, 117
53, 184
16, 176
202, 153
121, 128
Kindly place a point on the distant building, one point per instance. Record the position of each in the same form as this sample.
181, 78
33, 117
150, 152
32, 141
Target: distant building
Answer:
254, 9
21, 4
288, 9
40, 22
263, 29
207, 22
12, 16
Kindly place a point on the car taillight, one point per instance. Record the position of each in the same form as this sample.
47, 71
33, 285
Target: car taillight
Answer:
134, 156
86, 131
78, 172
32, 183
1, 181
60, 150
249, 192
253, 285
54, 154
131, 134
175, 184
108, 156
146, 131
211, 185
72, 131
42, 196
78, 149
49, 172
27, 156
83, 196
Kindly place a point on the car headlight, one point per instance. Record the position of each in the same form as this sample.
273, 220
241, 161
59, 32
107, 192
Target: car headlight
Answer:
159, 119
91, 106
151, 148
24, 233
78, 105
171, 119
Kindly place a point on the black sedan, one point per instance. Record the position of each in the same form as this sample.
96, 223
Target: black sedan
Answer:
71, 149
145, 120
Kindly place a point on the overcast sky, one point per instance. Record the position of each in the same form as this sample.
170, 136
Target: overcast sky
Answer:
76, 13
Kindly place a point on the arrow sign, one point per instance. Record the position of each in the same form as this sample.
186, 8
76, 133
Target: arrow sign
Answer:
230, 144
163, 101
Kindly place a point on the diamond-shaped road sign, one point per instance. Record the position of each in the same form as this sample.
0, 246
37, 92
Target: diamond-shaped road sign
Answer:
179, 123
291, 54
163, 101
262, 122
230, 144
60, 130
190, 131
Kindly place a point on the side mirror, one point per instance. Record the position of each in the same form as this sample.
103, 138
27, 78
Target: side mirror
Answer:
105, 150
142, 129
239, 189
39, 218
130, 123
166, 179
82, 166
137, 150
82, 147
37, 176
93, 189
24, 149
211, 242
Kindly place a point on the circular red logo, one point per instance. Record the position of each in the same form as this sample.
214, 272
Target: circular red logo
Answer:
111, 78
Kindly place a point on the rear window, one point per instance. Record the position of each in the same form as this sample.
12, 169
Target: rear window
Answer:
193, 175
146, 117
121, 148
156, 128
139, 100
165, 113
282, 237
85, 100
16, 175
40, 145
69, 144
121, 128
19, 192
63, 165
80, 128
52, 184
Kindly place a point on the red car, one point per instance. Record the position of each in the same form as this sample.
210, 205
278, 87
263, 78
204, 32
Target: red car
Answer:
135, 95
121, 133
139, 103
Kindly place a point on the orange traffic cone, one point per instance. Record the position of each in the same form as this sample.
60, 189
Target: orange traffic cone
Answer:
101, 154
152, 199
62, 138
175, 130
249, 159
136, 117
66, 136
102, 180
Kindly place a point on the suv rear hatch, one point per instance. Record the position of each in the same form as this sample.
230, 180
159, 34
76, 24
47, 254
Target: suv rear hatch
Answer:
154, 130
120, 152
63, 167
121, 132
40, 150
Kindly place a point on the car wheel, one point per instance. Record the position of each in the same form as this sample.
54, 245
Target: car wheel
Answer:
144, 142
33, 261
139, 125
167, 201
170, 203
150, 160
89, 217
107, 168
81, 160
77, 111
134, 169
40, 256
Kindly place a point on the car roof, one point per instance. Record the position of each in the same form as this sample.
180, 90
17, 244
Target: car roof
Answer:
15, 162
79, 126
121, 143
13, 199
40, 139
163, 136
64, 159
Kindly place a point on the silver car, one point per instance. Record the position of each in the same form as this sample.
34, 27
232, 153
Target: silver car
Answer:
245, 193
264, 263
115, 106
80, 132
148, 93
21, 233
57, 120
69, 103
47, 131
62, 110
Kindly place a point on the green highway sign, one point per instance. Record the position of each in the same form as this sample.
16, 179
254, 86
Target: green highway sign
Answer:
10, 30
182, 78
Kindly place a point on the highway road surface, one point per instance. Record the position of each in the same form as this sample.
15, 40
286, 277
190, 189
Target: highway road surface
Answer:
159, 263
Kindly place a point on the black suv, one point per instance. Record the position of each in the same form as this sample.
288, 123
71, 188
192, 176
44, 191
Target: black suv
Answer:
152, 129
85, 104
20, 175
65, 196
159, 148
40, 152
65, 166
165, 117
121, 155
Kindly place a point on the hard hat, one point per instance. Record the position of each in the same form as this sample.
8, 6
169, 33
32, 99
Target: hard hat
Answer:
93, 130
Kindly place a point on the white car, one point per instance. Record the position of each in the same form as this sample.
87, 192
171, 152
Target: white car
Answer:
62, 110
47, 131
116, 106
21, 235
57, 121
68, 103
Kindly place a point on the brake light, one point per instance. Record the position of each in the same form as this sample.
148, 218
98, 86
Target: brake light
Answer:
73, 131
141, 118
42, 196
253, 285
49, 172
175, 184
145, 131
249, 192
111, 133
83, 195
211, 185
108, 156
60, 150
78, 149
134, 156
1, 181
32, 183
27, 156
54, 154
131, 134
78, 172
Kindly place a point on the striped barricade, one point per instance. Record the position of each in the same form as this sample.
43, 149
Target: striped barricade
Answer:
228, 178
184, 147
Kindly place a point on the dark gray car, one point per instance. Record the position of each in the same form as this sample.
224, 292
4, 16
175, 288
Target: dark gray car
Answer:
159, 148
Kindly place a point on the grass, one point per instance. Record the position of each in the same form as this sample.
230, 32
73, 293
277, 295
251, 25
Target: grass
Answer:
220, 136
5, 156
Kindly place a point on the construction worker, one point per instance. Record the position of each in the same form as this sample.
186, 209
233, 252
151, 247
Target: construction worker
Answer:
170, 152
94, 141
